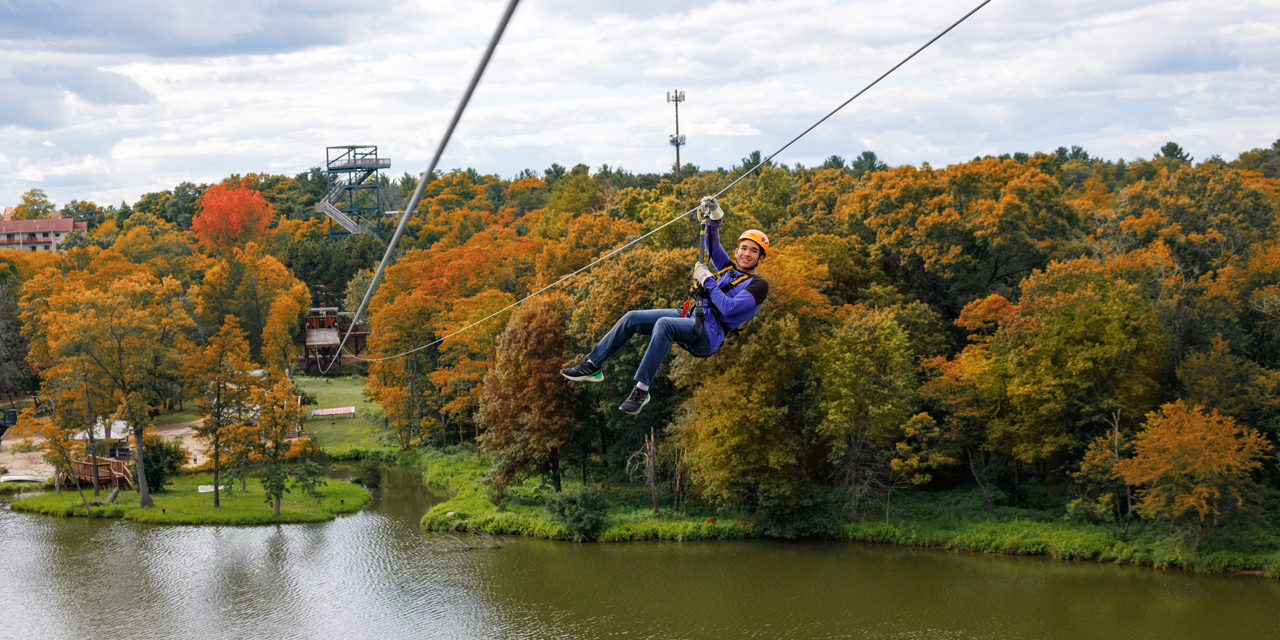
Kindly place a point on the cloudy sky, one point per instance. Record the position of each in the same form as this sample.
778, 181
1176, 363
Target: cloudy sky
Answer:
109, 100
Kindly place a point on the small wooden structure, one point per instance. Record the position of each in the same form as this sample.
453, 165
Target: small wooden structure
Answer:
324, 328
110, 472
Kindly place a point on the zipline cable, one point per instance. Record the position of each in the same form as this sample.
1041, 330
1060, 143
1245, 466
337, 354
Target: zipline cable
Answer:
659, 228
426, 176
855, 96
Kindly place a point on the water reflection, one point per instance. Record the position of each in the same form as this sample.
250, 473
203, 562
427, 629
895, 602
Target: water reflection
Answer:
375, 575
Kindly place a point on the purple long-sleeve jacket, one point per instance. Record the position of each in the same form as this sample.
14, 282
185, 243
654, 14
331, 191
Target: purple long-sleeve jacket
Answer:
736, 304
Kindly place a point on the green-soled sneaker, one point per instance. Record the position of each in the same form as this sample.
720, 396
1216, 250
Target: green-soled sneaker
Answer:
585, 371
636, 401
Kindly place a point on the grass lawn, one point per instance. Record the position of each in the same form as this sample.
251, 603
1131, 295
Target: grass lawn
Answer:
12, 488
950, 519
182, 503
189, 413
342, 437
630, 515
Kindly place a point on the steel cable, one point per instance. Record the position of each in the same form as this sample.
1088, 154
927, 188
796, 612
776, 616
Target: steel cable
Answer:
417, 192
426, 176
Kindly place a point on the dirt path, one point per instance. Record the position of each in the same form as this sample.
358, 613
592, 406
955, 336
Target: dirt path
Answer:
22, 464
32, 464
186, 431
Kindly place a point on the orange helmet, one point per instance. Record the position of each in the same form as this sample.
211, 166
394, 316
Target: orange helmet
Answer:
758, 237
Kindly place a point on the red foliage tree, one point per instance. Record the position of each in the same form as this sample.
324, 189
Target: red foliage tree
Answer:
230, 216
528, 408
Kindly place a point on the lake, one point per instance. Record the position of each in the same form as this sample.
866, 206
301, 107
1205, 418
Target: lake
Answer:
375, 574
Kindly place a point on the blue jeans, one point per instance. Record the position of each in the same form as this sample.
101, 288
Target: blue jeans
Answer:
665, 325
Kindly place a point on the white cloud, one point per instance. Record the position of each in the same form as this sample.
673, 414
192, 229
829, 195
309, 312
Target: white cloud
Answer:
171, 93
723, 127
65, 166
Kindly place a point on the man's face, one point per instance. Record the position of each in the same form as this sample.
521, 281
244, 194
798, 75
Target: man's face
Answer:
748, 255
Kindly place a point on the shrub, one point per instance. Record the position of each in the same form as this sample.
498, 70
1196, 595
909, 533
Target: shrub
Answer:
25, 446
580, 512
1100, 511
307, 397
369, 474
163, 460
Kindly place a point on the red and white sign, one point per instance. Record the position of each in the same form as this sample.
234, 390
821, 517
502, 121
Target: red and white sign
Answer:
337, 412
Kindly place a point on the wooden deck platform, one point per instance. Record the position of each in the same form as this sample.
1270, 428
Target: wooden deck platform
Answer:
110, 472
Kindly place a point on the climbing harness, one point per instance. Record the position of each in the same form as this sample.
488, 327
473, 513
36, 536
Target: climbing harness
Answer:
417, 193
730, 335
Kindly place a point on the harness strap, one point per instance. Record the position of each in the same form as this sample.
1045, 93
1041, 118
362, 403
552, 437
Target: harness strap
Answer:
697, 307
730, 335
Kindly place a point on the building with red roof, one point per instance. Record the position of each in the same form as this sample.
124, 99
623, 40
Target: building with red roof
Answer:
37, 235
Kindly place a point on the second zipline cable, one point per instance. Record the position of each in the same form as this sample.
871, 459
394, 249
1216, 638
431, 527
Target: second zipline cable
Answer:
426, 176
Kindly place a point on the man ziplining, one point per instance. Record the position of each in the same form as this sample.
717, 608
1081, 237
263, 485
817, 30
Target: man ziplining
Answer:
732, 296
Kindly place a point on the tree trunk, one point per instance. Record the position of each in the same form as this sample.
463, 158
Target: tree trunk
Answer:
652, 461
555, 467
93, 457
586, 453
93, 448
72, 475
277, 503
679, 489
976, 460
144, 495
854, 471
888, 502
216, 486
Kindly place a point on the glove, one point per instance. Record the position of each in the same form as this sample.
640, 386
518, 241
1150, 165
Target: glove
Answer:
701, 273
712, 207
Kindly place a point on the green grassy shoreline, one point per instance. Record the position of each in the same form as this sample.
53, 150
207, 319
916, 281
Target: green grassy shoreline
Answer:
13, 488
182, 503
469, 508
917, 523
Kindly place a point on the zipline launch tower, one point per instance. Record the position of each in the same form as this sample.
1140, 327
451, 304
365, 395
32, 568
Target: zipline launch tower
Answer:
354, 198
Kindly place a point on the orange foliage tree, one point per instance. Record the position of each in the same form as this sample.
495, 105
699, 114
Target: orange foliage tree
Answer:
230, 216
1193, 465
278, 413
126, 337
219, 376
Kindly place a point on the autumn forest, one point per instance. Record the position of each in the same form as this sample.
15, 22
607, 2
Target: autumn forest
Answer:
1048, 330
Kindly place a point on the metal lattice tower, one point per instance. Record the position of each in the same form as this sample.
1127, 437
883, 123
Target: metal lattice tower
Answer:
677, 140
354, 198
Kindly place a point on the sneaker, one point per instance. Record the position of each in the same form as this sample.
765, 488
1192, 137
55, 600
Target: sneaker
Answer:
636, 401
585, 371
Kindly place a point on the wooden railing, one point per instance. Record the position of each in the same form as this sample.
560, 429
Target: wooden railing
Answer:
110, 472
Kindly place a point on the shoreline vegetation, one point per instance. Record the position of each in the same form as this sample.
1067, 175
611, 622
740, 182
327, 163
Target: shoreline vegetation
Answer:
952, 519
181, 503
